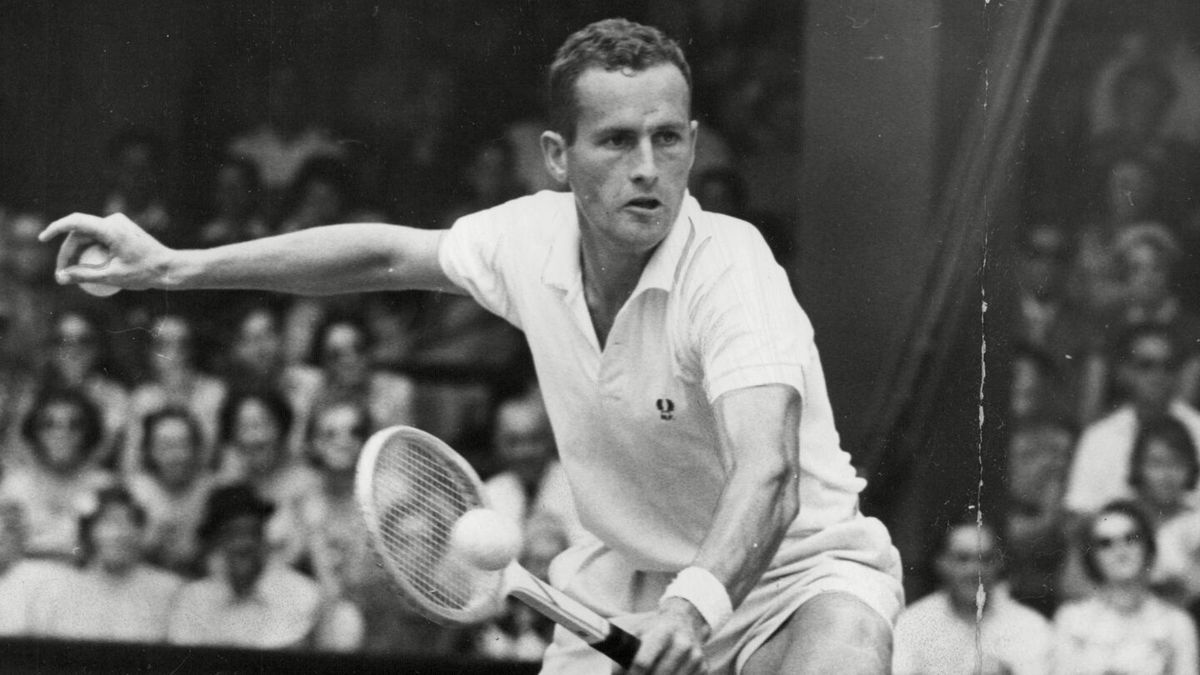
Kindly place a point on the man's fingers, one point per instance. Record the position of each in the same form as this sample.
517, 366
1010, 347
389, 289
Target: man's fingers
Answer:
83, 223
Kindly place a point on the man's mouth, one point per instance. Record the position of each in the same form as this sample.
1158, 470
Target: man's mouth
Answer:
646, 203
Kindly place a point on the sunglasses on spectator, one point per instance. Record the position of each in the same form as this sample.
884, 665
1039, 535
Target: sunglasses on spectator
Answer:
1104, 543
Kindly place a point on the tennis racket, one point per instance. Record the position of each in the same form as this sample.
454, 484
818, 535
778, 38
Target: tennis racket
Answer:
412, 488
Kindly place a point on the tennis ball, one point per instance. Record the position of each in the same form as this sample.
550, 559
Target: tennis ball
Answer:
96, 256
486, 539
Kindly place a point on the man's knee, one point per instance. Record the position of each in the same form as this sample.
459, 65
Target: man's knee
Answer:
832, 633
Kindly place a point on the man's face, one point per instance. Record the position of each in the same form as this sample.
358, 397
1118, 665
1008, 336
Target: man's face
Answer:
173, 450
1150, 372
523, 439
969, 561
628, 165
241, 544
116, 536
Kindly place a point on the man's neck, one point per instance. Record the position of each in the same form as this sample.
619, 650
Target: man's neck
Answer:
609, 278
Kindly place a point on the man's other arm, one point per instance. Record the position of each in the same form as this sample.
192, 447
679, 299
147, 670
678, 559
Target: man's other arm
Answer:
317, 261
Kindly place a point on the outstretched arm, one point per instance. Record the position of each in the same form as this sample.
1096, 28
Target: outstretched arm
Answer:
318, 261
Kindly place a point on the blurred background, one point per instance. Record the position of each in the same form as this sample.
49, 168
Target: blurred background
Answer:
982, 207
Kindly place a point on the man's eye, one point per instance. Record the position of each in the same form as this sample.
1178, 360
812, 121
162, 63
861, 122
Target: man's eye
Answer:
616, 142
666, 138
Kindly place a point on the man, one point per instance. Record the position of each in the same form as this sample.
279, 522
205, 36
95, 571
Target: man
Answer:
1148, 358
685, 392
247, 600
971, 625
531, 481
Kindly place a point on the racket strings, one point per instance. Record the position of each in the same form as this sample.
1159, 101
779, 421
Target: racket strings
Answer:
420, 495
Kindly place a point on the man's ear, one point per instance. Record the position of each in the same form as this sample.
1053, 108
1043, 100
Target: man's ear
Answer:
554, 153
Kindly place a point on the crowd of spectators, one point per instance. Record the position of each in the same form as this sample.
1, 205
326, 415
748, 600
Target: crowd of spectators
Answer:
178, 467
1094, 566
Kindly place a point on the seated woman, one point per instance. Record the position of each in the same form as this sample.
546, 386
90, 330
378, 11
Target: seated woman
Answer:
23, 580
173, 485
254, 430
343, 353
174, 381
64, 434
115, 595
1124, 628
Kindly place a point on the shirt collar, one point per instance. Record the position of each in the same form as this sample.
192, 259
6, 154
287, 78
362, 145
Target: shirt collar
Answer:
563, 269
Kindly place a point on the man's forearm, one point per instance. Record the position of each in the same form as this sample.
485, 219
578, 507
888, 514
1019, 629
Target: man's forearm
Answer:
318, 261
753, 516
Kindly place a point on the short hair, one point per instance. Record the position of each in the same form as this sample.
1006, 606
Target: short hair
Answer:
150, 423
1144, 532
105, 499
93, 424
1177, 437
611, 44
227, 503
277, 407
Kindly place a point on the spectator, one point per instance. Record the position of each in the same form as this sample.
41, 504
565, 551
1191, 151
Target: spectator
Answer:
1163, 470
245, 601
254, 431
173, 482
1049, 323
1038, 456
1127, 191
336, 434
1147, 255
175, 381
488, 178
63, 432
236, 205
327, 534
136, 160
115, 595
971, 625
342, 351
1147, 358
1124, 627
256, 362
77, 359
288, 138
26, 289
323, 193
22, 579
531, 481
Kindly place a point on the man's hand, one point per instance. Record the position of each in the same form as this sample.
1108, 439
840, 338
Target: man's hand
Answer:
138, 262
672, 641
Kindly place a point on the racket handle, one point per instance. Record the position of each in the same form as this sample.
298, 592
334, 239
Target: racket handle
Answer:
619, 646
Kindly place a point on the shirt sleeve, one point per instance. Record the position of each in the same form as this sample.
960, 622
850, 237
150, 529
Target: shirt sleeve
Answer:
749, 328
471, 256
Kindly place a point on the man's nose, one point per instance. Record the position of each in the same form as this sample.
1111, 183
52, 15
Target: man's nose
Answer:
645, 167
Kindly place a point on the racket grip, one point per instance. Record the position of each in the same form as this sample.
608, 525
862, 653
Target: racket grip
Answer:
619, 646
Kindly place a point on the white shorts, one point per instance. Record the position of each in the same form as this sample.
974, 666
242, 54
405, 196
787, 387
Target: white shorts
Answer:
855, 556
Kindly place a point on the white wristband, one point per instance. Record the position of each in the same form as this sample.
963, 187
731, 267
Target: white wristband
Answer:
706, 593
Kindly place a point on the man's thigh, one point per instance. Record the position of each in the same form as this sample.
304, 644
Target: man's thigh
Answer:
833, 632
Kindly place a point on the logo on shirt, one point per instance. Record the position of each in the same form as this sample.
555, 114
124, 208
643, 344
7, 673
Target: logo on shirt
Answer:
666, 408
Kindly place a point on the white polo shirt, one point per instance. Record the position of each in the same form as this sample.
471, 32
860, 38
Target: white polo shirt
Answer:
634, 423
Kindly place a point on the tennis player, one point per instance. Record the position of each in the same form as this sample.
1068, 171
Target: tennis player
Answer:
680, 374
